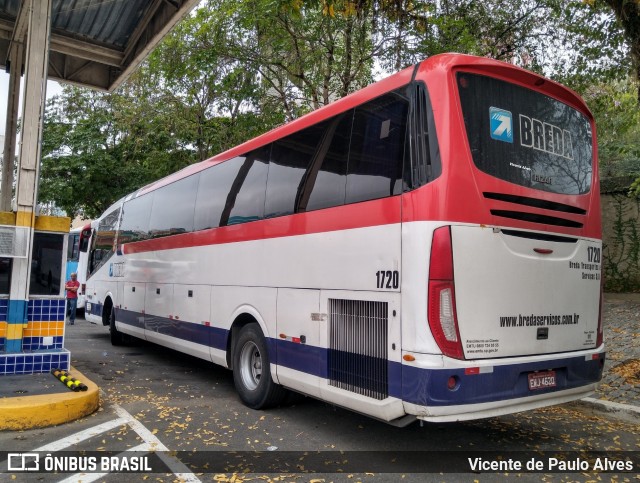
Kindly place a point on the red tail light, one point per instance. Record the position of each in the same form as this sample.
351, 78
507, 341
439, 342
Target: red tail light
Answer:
442, 301
83, 288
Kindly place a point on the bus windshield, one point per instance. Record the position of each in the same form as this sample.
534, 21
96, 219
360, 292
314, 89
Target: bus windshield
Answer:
524, 137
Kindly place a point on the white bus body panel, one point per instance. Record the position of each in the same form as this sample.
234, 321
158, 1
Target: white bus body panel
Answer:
508, 295
298, 315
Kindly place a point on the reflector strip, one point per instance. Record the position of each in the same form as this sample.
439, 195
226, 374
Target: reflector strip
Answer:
470, 371
295, 340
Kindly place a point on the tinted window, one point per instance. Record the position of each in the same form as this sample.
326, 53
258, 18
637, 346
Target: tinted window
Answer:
213, 188
525, 137
104, 241
377, 148
289, 160
5, 275
173, 208
245, 199
46, 264
135, 219
326, 177
424, 164
73, 247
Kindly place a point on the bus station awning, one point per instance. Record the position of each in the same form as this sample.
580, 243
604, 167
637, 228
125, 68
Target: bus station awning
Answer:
95, 43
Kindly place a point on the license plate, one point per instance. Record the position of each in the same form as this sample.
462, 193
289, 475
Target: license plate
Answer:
542, 380
88, 307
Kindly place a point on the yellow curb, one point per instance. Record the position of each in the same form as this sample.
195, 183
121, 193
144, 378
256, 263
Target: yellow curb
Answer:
26, 412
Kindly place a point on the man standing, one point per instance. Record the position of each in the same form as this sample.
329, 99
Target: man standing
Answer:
72, 287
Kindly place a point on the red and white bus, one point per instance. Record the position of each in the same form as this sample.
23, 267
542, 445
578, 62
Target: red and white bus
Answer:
427, 247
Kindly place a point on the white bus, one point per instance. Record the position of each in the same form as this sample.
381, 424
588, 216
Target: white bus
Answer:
428, 247
77, 253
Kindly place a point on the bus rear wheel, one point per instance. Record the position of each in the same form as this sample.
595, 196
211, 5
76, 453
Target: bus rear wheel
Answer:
252, 372
117, 337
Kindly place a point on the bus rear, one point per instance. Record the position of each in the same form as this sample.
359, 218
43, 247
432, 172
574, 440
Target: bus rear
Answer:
513, 281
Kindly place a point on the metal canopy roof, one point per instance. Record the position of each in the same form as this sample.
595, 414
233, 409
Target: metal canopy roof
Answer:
95, 43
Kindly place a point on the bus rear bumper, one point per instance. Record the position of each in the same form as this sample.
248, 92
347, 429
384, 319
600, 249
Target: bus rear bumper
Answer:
466, 412
435, 389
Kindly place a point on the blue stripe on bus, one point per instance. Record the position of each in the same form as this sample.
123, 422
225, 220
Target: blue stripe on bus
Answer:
424, 387
189, 331
429, 387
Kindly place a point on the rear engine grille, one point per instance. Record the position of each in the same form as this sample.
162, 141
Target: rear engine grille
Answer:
536, 218
358, 347
539, 236
535, 202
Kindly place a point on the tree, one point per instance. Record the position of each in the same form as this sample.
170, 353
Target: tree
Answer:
209, 94
614, 107
628, 14
233, 70
97, 147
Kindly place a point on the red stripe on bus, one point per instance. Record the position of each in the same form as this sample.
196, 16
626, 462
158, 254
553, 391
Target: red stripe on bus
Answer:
385, 211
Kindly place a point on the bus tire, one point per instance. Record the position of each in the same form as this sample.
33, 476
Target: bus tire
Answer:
117, 337
252, 370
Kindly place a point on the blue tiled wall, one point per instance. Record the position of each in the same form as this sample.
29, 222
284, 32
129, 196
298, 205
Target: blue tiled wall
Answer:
34, 362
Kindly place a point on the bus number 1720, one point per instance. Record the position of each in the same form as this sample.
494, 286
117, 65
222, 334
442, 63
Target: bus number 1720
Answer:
387, 279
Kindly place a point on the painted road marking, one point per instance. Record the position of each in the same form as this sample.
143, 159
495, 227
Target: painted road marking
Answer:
82, 435
151, 443
173, 463
89, 477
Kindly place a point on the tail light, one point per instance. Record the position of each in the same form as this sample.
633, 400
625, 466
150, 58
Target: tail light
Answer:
442, 301
83, 288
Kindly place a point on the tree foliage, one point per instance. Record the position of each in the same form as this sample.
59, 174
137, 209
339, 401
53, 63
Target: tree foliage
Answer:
628, 14
233, 70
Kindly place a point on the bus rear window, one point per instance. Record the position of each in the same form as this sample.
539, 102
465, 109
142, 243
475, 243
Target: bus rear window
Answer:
525, 137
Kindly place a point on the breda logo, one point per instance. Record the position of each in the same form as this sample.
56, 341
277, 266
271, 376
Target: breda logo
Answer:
536, 134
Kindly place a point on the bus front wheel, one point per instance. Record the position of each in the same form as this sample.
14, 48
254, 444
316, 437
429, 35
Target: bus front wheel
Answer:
252, 372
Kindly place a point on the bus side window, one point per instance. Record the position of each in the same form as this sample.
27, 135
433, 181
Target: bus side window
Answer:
173, 208
377, 148
423, 165
326, 178
215, 182
290, 157
73, 247
245, 199
136, 214
103, 241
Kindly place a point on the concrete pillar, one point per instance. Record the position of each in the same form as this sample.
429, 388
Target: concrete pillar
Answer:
37, 58
10, 134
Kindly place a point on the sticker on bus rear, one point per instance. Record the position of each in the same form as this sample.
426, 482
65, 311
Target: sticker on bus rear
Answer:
501, 125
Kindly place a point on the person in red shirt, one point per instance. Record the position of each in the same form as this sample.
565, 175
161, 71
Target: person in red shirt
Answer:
72, 287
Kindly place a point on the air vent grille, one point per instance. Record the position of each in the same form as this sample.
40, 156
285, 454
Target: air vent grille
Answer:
535, 202
358, 347
536, 218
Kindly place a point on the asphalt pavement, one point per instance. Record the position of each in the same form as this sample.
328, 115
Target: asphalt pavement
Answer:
618, 393
157, 400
